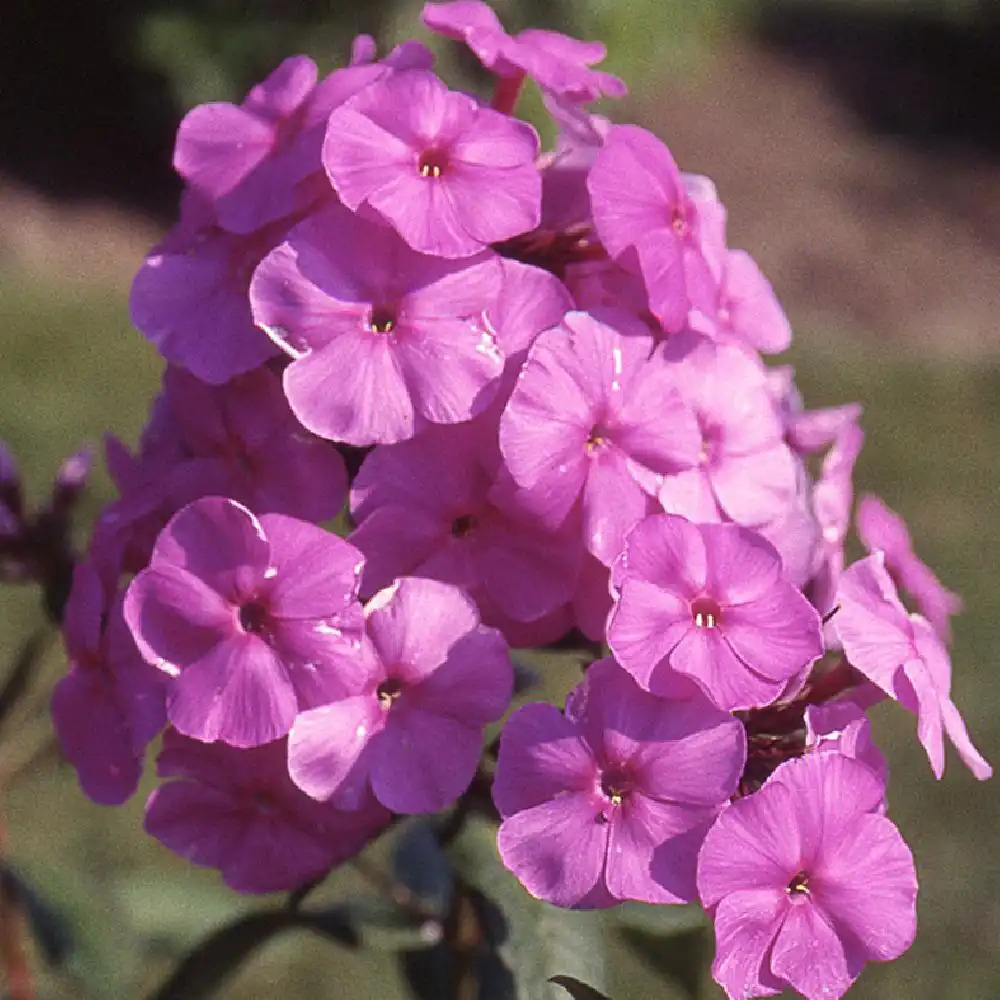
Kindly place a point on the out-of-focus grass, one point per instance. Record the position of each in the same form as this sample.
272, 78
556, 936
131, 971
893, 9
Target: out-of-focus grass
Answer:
72, 366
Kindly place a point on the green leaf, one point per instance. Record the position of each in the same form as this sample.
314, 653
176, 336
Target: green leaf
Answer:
680, 958
50, 928
578, 990
205, 968
541, 940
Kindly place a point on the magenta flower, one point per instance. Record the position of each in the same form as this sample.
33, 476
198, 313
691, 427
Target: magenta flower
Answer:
558, 63
412, 728
595, 419
832, 499
449, 175
746, 310
611, 800
110, 705
385, 340
255, 619
903, 655
744, 470
882, 528
424, 507
241, 440
640, 203
806, 882
238, 811
190, 297
708, 603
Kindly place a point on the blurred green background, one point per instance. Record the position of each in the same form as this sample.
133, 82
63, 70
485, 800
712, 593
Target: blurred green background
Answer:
857, 147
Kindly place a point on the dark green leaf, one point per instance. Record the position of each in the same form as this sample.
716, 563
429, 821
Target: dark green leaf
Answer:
420, 864
205, 968
681, 958
539, 940
576, 989
19, 677
49, 927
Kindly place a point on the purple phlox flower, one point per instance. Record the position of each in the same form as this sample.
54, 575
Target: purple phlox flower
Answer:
640, 204
242, 441
255, 619
237, 810
807, 881
385, 340
424, 508
796, 534
611, 800
110, 705
530, 300
36, 545
746, 309
882, 528
903, 655
259, 162
559, 64
841, 726
600, 284
450, 176
594, 419
832, 499
592, 599
190, 296
708, 603
744, 470
412, 729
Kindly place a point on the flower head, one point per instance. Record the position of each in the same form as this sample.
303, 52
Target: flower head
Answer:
610, 801
254, 618
806, 881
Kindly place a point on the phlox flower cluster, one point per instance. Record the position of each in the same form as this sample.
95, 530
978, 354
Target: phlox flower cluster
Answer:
530, 387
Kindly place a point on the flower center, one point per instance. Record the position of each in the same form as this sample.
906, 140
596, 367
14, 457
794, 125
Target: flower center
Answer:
679, 223
253, 617
798, 886
463, 527
616, 785
597, 438
389, 691
706, 613
382, 319
432, 163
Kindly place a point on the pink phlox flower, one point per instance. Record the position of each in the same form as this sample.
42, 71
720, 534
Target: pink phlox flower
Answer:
832, 500
746, 309
610, 801
237, 810
412, 728
843, 727
450, 176
385, 340
559, 64
110, 705
796, 534
595, 420
744, 470
641, 206
255, 619
707, 603
592, 599
190, 296
530, 300
882, 528
242, 441
259, 162
806, 881
601, 284
904, 656
424, 508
